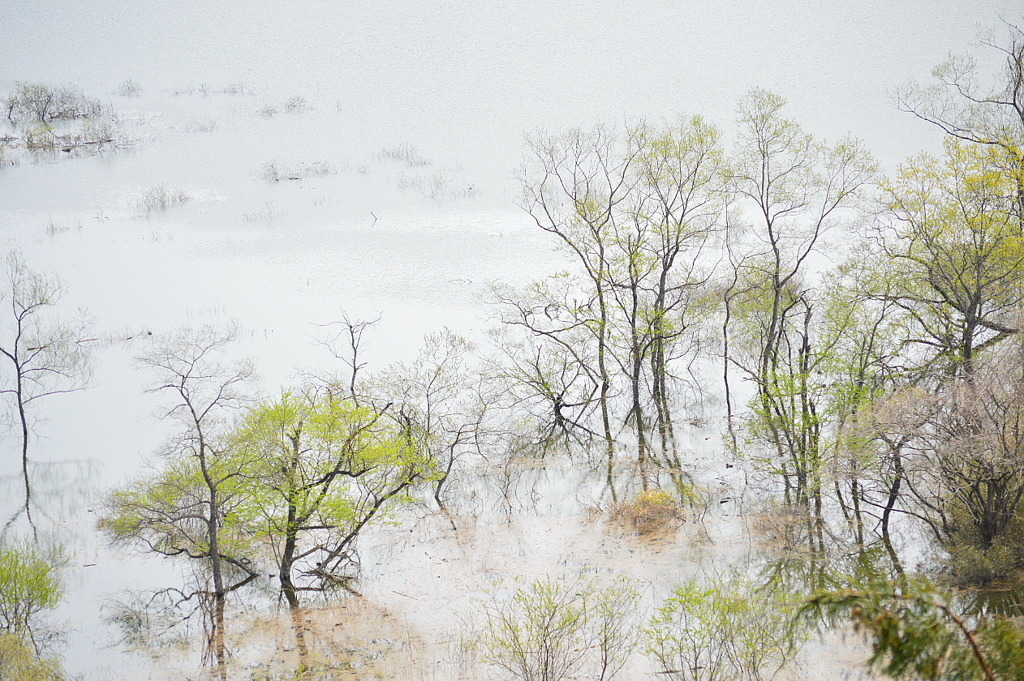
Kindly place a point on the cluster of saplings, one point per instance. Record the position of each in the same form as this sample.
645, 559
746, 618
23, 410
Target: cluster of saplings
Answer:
861, 333
54, 118
733, 628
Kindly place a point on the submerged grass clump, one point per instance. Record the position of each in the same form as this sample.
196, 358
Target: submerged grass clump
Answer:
160, 198
652, 510
273, 171
45, 137
129, 88
405, 153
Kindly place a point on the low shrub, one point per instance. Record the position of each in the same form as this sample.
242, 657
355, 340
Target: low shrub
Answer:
160, 198
274, 172
728, 629
36, 102
652, 510
551, 629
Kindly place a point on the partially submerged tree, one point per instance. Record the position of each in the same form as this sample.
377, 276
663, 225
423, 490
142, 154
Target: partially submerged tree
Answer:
546, 364
185, 506
42, 354
660, 274
317, 470
796, 190
576, 188
636, 212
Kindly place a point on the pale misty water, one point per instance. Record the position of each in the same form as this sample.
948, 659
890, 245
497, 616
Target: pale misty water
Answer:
461, 83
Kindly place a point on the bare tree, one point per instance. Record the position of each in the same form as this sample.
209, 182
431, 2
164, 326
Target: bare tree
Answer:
439, 401
546, 361
345, 342
965, 107
575, 188
45, 356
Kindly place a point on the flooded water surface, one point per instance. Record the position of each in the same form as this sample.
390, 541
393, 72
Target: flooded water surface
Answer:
282, 164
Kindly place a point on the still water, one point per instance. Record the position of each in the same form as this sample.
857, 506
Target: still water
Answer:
415, 112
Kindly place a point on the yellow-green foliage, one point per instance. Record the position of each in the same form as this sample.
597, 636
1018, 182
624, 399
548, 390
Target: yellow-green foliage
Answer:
957, 248
727, 629
314, 470
553, 629
326, 458
28, 585
168, 509
300, 476
19, 662
652, 510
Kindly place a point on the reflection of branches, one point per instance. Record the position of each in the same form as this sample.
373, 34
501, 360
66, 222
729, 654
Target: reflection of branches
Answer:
149, 619
169, 616
59, 493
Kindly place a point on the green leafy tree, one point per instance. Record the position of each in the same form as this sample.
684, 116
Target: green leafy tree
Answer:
317, 470
795, 190
919, 633
953, 256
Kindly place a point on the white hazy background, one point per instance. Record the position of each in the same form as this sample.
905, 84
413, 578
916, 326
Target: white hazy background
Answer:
460, 83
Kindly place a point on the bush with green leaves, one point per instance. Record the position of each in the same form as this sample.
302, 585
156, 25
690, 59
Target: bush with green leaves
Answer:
19, 662
28, 586
553, 629
916, 632
727, 629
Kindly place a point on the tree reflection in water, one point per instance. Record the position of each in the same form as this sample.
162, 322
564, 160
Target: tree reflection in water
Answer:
54, 506
308, 641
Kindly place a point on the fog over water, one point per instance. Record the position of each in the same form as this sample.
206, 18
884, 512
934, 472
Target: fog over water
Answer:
419, 111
